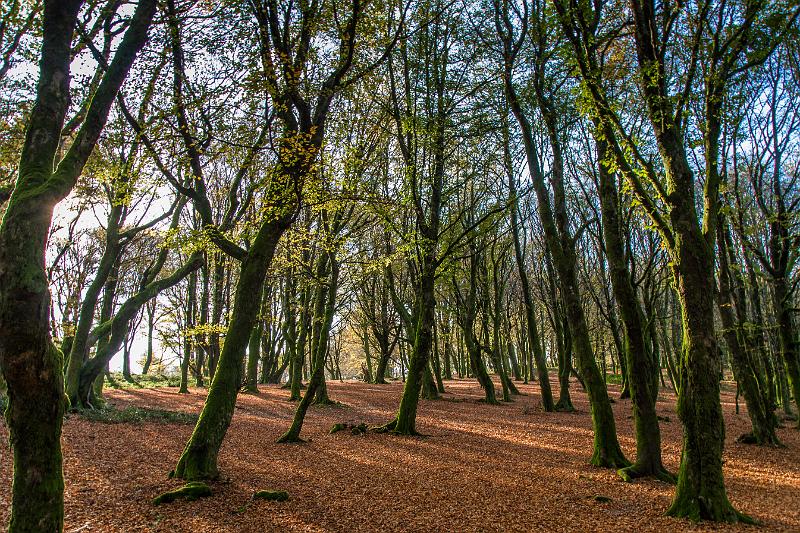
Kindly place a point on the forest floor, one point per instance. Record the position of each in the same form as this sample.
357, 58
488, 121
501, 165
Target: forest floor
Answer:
510, 467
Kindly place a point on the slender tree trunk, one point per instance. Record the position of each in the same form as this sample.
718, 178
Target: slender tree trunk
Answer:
607, 451
150, 326
641, 365
79, 350
31, 364
254, 350
201, 339
527, 298
758, 409
188, 335
437, 364
217, 306
325, 306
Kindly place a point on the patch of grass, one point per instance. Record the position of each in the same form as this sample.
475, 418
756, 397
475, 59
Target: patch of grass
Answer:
615, 379
137, 415
148, 381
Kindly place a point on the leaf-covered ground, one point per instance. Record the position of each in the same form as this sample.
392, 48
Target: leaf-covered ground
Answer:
510, 467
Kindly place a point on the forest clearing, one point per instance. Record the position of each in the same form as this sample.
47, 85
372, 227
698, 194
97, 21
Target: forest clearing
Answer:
504, 468
399, 265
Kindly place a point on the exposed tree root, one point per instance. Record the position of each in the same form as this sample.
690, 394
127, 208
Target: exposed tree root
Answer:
697, 509
324, 402
355, 429
750, 438
391, 427
386, 428
190, 492
564, 406
271, 495
289, 437
629, 473
609, 459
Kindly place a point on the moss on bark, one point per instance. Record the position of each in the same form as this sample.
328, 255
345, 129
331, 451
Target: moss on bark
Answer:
271, 495
193, 490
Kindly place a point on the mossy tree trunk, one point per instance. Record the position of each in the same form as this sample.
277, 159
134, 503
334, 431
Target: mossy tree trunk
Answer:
563, 339
297, 150
188, 334
493, 307
290, 334
199, 458
217, 308
254, 349
527, 298
758, 407
79, 350
560, 243
469, 309
320, 330
700, 490
383, 360
31, 365
787, 336
405, 422
148, 360
642, 368
117, 328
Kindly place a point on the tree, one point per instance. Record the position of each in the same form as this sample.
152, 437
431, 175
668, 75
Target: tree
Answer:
671, 202
288, 36
560, 242
31, 364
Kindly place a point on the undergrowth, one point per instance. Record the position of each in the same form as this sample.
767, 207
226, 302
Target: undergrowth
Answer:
116, 380
137, 415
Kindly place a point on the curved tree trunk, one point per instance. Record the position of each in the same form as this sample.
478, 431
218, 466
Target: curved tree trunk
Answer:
325, 307
758, 407
199, 458
519, 255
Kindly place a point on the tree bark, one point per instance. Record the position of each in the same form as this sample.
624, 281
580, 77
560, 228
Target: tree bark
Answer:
32, 366
641, 365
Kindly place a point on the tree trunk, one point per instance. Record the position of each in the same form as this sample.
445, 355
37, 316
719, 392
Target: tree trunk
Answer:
31, 364
607, 451
758, 409
325, 307
641, 366
199, 458
150, 326
254, 352
527, 299
188, 335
